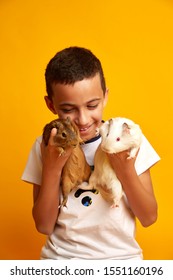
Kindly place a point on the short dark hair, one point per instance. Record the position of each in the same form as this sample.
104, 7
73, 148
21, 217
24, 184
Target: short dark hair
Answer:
71, 65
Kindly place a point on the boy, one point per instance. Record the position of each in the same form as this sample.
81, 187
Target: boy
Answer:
76, 88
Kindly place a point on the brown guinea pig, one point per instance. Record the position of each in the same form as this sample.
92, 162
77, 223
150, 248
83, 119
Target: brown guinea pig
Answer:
67, 134
76, 169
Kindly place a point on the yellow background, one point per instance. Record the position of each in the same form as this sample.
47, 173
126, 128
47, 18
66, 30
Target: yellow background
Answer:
134, 41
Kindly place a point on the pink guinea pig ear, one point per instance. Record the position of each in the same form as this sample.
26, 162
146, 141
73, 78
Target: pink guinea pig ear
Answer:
126, 128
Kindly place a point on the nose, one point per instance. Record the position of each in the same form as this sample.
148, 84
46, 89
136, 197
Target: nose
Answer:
82, 118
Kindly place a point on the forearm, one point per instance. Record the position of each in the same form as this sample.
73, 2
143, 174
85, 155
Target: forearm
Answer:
141, 199
45, 209
46, 196
138, 189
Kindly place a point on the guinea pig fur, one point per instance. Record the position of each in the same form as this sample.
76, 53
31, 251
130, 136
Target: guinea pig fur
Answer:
67, 134
118, 134
76, 169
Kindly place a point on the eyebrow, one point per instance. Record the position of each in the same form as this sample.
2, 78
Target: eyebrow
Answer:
73, 104
66, 104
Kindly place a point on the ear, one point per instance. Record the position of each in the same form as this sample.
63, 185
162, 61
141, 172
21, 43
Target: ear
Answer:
105, 97
50, 105
126, 128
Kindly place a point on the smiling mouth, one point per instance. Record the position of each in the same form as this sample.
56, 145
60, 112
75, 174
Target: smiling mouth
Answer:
84, 129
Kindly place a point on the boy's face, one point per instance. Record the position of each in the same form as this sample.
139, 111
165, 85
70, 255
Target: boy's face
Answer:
83, 102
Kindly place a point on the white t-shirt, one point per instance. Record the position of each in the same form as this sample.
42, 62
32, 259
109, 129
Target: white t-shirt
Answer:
89, 228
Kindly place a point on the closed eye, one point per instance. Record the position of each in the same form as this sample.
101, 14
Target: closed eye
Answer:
67, 110
92, 107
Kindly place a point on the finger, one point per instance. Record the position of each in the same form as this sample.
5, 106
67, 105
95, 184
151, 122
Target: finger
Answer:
52, 135
42, 146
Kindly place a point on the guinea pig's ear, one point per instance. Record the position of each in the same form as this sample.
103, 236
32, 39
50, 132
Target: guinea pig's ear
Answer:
126, 128
58, 126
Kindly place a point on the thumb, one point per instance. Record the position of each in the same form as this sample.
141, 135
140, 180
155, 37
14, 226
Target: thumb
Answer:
52, 135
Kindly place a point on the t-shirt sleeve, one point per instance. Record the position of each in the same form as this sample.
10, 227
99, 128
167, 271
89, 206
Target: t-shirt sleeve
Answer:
146, 157
33, 169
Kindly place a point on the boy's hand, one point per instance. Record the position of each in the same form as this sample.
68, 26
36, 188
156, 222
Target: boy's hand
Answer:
51, 156
121, 164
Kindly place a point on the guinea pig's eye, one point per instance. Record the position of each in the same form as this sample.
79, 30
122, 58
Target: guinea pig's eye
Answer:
118, 139
64, 135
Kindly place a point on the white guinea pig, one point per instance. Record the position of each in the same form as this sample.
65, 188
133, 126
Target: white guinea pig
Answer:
118, 134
